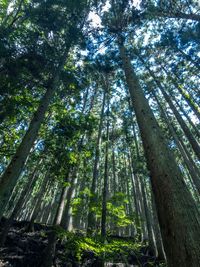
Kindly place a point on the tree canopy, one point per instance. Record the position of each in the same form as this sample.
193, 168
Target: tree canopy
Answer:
99, 124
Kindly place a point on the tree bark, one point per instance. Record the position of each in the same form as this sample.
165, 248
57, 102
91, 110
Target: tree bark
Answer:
159, 243
148, 218
13, 171
177, 211
17, 208
183, 125
91, 214
187, 97
38, 201
66, 213
194, 172
105, 183
196, 131
136, 204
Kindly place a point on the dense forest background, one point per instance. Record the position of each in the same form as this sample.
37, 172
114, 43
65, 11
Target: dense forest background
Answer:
99, 124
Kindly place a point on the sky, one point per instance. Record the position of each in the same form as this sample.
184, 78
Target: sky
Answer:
96, 22
95, 19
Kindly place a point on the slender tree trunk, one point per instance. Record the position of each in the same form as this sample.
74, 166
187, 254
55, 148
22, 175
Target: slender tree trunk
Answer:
136, 204
141, 208
157, 233
183, 125
105, 184
49, 252
130, 207
27, 198
177, 211
188, 160
13, 171
194, 172
66, 214
148, 218
187, 97
17, 208
80, 210
91, 214
196, 131
38, 201
60, 209
114, 184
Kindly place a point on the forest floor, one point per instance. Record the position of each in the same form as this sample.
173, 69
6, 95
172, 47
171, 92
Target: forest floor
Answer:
24, 249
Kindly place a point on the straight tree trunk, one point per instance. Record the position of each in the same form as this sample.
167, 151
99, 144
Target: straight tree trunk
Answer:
38, 201
105, 183
183, 125
196, 131
81, 185
114, 186
177, 212
91, 214
17, 208
60, 209
49, 252
130, 206
136, 204
148, 218
187, 97
194, 172
13, 171
159, 243
141, 208
66, 213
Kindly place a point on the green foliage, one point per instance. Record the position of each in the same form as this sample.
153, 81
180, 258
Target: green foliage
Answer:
77, 244
117, 212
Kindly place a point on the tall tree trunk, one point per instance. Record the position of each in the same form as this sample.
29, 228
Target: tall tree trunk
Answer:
17, 208
196, 131
136, 204
194, 172
187, 97
38, 201
66, 214
49, 252
13, 171
177, 211
60, 209
157, 233
182, 123
81, 185
148, 218
141, 207
114, 182
130, 206
105, 183
91, 214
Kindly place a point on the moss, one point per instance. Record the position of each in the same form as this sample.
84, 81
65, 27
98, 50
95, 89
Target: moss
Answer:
77, 245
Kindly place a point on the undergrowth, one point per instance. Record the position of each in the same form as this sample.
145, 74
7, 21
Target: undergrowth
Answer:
79, 246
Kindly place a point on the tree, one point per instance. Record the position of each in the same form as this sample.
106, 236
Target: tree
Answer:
14, 169
166, 177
